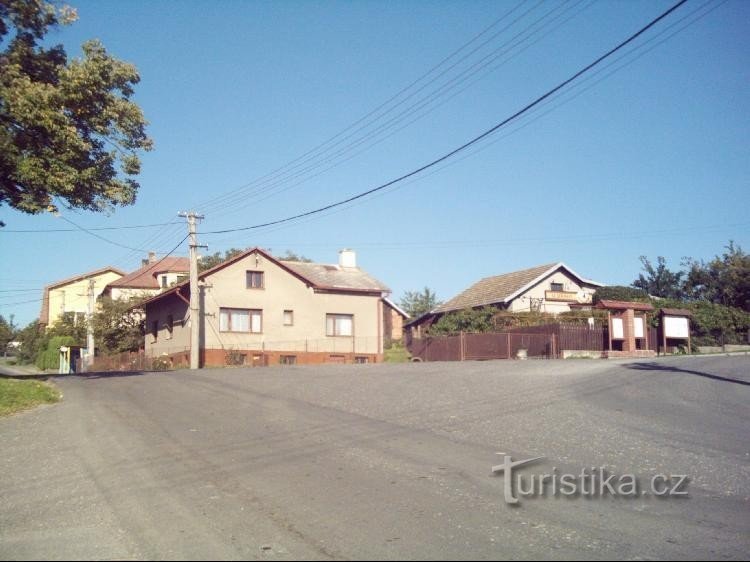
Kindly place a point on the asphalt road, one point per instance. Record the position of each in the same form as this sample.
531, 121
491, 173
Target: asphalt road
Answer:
380, 461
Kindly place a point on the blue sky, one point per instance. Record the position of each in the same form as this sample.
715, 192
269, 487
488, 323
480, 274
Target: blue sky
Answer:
651, 160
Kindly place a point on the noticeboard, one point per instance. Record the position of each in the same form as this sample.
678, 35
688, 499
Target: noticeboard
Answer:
676, 327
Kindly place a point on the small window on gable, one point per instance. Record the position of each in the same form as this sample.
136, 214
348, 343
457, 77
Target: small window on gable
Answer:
557, 287
254, 280
288, 318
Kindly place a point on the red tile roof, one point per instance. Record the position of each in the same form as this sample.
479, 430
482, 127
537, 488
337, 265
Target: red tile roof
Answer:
146, 276
623, 305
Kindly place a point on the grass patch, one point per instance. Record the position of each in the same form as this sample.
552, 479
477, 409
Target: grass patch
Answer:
16, 395
396, 354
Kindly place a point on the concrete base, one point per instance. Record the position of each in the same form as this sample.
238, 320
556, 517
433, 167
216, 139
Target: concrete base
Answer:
638, 353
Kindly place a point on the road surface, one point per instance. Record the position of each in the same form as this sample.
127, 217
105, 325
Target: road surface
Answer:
380, 461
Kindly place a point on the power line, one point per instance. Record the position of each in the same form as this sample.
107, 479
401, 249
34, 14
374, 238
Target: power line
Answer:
370, 138
107, 240
374, 112
473, 141
149, 269
95, 228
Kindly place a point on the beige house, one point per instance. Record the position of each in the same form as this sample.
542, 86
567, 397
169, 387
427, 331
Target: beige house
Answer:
551, 288
260, 310
71, 296
153, 277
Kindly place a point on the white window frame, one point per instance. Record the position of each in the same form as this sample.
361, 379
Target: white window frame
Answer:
335, 325
253, 326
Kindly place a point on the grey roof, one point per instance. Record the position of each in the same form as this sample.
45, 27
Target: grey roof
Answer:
336, 277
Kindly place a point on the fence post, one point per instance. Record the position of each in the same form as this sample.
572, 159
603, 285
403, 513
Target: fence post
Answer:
508, 345
461, 342
554, 347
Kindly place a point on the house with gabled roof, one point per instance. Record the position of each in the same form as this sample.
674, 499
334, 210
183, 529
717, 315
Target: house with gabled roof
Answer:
154, 276
71, 296
260, 310
551, 288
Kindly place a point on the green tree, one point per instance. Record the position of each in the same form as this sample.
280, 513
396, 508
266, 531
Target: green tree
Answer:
293, 256
473, 320
659, 281
118, 325
68, 129
207, 262
33, 340
417, 303
7, 332
724, 280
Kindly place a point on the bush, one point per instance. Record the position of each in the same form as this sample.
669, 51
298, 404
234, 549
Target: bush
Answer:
620, 293
49, 358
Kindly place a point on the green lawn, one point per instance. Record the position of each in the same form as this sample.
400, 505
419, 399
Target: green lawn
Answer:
17, 395
396, 354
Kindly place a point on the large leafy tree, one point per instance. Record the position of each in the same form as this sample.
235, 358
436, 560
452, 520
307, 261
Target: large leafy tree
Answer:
659, 281
724, 280
69, 131
417, 303
118, 325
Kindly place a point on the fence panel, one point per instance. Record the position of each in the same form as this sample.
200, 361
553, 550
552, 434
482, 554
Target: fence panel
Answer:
486, 346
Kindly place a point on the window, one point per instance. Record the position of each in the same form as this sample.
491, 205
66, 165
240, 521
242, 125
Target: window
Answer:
339, 325
164, 282
557, 287
254, 279
361, 360
170, 326
240, 320
288, 360
288, 318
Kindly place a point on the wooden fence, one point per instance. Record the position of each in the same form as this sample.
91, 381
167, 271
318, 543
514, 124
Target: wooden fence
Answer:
547, 341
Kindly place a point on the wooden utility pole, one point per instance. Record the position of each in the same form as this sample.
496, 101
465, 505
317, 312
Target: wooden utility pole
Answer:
196, 314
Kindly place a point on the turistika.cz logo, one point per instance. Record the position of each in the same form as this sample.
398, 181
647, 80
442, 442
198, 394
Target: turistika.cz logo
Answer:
589, 482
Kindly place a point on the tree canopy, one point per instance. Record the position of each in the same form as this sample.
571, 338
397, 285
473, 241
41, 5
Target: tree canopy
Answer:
69, 131
417, 303
724, 280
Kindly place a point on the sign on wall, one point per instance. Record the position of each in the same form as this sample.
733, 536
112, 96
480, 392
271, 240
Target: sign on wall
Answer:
638, 327
676, 327
617, 331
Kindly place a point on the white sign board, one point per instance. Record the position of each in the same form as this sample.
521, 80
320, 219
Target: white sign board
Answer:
617, 333
638, 327
676, 327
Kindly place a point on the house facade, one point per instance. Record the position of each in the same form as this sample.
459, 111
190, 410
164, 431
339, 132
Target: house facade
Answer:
153, 277
258, 310
551, 288
71, 296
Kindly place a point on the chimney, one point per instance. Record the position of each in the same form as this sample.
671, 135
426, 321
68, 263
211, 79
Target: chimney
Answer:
148, 261
347, 258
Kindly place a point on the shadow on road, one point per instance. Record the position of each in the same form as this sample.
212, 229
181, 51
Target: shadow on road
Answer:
111, 374
653, 366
